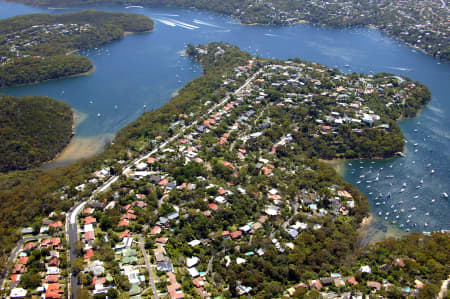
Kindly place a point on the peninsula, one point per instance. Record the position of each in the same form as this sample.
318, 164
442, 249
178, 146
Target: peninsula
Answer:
33, 130
215, 193
39, 47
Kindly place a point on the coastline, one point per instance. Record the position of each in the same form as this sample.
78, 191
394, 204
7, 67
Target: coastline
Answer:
127, 33
77, 118
90, 71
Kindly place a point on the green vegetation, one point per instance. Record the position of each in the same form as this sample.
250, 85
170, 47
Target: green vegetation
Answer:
37, 47
28, 70
32, 130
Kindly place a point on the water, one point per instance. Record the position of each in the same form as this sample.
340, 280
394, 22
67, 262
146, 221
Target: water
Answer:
146, 69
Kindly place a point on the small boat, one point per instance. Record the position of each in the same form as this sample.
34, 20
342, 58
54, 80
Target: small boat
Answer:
428, 165
432, 171
417, 196
426, 224
98, 115
389, 195
427, 214
421, 181
404, 184
91, 102
416, 144
115, 107
433, 200
418, 187
402, 190
413, 208
445, 195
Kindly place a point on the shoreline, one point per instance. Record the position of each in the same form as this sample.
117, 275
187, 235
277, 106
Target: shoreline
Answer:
77, 118
127, 33
87, 73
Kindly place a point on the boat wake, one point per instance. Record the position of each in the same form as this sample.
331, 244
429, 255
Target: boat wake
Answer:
175, 23
166, 15
165, 22
200, 22
404, 69
272, 35
184, 25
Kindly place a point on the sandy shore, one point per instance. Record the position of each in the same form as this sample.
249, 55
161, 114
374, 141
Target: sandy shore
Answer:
79, 148
337, 164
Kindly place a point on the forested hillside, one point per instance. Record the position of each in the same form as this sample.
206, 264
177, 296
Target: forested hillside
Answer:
33, 130
37, 47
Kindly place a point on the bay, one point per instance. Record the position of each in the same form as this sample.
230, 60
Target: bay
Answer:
143, 71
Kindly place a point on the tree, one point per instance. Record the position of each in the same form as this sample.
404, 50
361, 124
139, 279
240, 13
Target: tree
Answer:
30, 280
112, 293
429, 291
77, 265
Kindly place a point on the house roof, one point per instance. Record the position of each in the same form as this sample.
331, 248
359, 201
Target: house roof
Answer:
236, 234
156, 230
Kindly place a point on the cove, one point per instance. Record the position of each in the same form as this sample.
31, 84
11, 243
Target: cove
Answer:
142, 71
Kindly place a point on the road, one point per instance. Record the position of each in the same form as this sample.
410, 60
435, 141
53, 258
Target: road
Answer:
72, 229
149, 268
444, 287
72, 232
13, 255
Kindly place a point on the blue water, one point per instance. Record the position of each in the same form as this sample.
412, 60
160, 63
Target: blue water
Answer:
146, 69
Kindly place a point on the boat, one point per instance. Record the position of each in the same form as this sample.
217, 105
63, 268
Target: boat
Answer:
404, 184
445, 195
432, 171
402, 190
421, 181
389, 195
428, 165
98, 114
413, 208
416, 144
